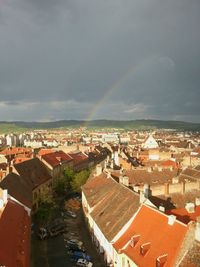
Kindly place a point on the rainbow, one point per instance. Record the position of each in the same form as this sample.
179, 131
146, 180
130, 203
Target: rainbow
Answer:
107, 95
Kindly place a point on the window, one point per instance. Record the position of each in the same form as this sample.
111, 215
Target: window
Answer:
134, 240
144, 248
128, 263
161, 260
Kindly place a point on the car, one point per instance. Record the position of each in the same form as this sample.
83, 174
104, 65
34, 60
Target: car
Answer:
72, 247
80, 255
57, 229
83, 262
42, 233
75, 249
70, 214
74, 242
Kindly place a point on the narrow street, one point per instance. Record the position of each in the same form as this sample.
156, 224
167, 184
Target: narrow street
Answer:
52, 252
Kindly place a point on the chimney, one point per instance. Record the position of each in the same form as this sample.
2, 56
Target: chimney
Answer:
59, 159
197, 230
3, 197
1, 203
112, 164
121, 179
190, 207
197, 201
159, 168
183, 187
126, 180
147, 191
171, 219
98, 170
142, 197
162, 208
175, 180
9, 169
105, 164
171, 168
149, 169
166, 189
108, 175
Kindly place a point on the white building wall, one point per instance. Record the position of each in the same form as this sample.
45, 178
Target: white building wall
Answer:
104, 243
150, 143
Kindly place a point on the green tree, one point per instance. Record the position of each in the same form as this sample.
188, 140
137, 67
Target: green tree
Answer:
79, 179
46, 207
60, 185
69, 175
46, 196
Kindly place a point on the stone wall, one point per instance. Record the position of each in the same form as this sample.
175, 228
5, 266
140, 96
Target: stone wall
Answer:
166, 189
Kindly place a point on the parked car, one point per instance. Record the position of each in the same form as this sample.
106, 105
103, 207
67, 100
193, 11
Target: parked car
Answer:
57, 229
42, 233
74, 242
72, 249
83, 262
70, 214
80, 255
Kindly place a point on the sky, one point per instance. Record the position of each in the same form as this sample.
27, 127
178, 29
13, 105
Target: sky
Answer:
91, 59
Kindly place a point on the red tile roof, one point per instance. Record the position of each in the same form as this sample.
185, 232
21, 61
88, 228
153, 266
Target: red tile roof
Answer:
16, 150
170, 163
18, 188
78, 157
18, 160
31, 174
54, 159
152, 227
45, 151
184, 216
15, 227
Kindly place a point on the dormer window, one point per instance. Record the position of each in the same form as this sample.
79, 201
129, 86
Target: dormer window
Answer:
134, 240
58, 158
144, 248
161, 260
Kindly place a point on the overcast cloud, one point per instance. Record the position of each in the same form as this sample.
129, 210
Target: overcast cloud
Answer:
60, 58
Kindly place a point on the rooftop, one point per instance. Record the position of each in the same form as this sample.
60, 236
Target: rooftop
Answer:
106, 195
15, 236
55, 158
144, 243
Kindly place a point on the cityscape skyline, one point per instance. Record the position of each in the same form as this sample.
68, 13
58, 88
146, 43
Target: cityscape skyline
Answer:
95, 60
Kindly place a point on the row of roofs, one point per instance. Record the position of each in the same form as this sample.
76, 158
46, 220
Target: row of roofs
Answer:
109, 199
147, 176
24, 178
129, 233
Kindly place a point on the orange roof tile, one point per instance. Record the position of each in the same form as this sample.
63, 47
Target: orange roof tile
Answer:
152, 227
55, 158
44, 151
20, 159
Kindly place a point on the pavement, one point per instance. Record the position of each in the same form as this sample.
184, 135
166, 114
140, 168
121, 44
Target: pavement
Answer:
52, 252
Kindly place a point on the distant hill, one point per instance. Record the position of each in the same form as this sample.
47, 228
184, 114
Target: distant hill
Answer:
20, 126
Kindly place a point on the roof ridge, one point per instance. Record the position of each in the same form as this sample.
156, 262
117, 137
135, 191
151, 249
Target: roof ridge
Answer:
163, 214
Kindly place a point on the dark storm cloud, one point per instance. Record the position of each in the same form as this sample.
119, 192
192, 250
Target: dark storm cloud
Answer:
61, 57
